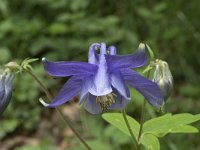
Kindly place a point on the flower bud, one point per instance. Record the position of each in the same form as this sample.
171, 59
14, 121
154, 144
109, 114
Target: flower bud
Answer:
5, 89
12, 65
163, 77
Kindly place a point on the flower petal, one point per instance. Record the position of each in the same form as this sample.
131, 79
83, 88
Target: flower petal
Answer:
103, 49
90, 104
112, 50
147, 88
68, 91
101, 83
64, 68
2, 87
5, 91
9, 85
118, 83
137, 59
120, 102
87, 84
92, 55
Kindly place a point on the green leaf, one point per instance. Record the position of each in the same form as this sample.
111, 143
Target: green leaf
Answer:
184, 129
168, 123
117, 120
157, 125
150, 142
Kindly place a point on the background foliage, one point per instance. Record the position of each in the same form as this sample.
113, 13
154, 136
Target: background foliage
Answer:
63, 30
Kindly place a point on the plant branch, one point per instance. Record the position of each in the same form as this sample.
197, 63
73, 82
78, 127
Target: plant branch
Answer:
141, 120
129, 128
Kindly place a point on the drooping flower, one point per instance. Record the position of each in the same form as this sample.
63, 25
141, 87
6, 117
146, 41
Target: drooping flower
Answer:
103, 81
163, 77
5, 89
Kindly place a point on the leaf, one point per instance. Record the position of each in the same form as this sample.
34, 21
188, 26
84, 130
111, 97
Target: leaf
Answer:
184, 129
171, 124
150, 142
157, 125
117, 120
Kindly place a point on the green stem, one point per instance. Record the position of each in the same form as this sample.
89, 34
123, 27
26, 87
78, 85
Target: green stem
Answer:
129, 129
65, 120
141, 120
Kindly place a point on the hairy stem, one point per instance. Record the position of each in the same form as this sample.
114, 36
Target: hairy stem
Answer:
65, 119
129, 128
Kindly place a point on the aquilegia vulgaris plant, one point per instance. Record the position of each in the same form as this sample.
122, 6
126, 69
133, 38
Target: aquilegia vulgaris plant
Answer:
103, 84
103, 81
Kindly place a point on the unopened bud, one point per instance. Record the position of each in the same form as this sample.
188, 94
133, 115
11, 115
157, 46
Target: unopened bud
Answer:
12, 65
163, 77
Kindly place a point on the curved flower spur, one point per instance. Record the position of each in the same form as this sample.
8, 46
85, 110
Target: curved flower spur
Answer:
103, 81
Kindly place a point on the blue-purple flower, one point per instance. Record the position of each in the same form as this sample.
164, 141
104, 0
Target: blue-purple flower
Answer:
5, 89
103, 82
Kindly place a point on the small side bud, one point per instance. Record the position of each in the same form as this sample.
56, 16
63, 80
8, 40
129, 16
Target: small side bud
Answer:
12, 65
163, 77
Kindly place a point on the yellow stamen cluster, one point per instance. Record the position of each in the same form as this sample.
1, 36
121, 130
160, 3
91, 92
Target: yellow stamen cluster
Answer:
106, 100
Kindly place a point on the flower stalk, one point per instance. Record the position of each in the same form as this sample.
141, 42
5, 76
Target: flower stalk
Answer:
65, 120
135, 143
141, 120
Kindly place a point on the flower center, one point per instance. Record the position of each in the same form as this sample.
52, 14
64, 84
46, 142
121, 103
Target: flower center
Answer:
106, 100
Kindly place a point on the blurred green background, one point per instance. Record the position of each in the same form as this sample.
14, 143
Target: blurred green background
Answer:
63, 30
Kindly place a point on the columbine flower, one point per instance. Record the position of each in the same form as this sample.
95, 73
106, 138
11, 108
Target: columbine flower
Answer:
103, 81
5, 89
163, 77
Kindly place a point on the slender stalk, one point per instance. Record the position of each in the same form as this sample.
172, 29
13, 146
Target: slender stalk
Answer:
129, 129
65, 120
142, 120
